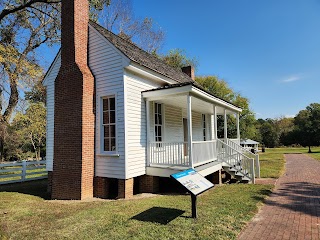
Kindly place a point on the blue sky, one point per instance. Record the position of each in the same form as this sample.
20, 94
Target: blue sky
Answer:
269, 51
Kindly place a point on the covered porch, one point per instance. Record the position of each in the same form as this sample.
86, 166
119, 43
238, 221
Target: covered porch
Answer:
182, 127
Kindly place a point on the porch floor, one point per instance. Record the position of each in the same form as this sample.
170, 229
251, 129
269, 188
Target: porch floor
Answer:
167, 170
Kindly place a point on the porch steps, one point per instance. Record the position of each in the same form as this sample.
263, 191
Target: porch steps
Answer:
236, 173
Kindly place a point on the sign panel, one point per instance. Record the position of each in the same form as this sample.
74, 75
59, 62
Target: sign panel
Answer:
192, 181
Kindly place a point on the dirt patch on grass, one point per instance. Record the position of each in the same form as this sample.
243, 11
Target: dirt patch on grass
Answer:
266, 181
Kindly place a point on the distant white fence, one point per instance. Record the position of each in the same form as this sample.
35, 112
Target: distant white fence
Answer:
22, 171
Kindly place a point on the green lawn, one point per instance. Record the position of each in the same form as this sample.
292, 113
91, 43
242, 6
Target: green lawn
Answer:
222, 213
272, 161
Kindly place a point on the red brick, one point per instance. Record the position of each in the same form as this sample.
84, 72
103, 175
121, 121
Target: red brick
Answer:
292, 210
125, 188
149, 184
73, 166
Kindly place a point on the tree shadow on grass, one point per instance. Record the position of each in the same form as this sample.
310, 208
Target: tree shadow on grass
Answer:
158, 215
36, 188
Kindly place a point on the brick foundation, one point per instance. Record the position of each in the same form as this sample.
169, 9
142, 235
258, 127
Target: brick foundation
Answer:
217, 178
101, 187
149, 184
73, 165
125, 188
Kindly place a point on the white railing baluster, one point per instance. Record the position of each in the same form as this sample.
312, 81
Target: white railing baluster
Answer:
173, 153
233, 157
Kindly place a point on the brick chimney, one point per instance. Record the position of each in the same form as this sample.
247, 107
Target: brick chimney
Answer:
189, 70
73, 165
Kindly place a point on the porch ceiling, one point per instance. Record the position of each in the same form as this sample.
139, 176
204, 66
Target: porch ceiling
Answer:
201, 101
197, 104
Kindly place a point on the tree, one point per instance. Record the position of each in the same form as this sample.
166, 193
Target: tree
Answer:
178, 58
307, 124
31, 128
118, 17
36, 94
24, 27
269, 133
285, 127
220, 88
12, 7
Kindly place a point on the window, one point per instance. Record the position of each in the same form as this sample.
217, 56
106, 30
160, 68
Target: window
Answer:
109, 124
158, 122
204, 127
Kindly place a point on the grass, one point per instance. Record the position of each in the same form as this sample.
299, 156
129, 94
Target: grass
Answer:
222, 214
272, 161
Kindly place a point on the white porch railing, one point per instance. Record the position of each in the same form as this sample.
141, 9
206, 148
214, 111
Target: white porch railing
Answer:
22, 171
164, 153
234, 144
204, 151
237, 159
176, 153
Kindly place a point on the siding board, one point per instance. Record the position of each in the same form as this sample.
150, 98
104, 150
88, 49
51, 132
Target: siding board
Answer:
136, 123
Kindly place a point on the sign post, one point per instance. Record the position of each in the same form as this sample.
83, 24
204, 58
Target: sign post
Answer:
195, 184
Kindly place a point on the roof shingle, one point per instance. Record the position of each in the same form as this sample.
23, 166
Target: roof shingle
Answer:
142, 57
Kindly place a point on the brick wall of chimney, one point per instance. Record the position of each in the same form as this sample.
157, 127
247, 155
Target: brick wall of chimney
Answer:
189, 70
73, 166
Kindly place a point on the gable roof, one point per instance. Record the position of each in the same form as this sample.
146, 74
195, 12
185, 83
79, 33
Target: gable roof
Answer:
142, 57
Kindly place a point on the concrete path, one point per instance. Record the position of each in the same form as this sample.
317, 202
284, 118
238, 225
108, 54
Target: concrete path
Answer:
292, 211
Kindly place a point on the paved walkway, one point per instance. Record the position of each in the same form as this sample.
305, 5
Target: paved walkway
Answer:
293, 210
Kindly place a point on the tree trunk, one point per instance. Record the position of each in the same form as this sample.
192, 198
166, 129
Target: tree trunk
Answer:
1, 148
309, 150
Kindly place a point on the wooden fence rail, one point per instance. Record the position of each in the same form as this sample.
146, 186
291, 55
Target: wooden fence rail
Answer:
22, 171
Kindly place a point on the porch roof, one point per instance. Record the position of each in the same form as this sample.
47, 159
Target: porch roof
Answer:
174, 94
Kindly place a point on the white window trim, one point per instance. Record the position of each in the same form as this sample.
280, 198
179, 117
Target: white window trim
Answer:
102, 152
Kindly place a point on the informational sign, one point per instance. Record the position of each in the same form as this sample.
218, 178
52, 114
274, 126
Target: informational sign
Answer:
192, 181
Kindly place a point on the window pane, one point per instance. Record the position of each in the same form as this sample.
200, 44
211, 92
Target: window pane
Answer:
160, 139
105, 117
156, 119
160, 119
113, 144
159, 131
112, 116
106, 131
156, 108
112, 131
106, 144
105, 104
112, 103
159, 108
156, 131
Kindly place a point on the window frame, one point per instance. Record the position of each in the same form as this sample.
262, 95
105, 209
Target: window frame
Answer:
102, 125
204, 127
156, 124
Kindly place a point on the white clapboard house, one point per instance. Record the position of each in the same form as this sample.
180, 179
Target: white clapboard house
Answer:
150, 119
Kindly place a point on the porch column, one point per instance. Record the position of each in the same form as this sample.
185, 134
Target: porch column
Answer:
148, 131
225, 126
189, 129
215, 127
238, 126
